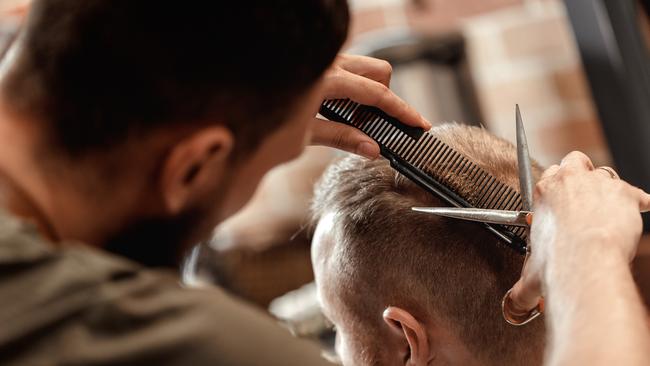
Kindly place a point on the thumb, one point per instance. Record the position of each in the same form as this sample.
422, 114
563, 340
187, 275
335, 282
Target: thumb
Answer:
343, 137
643, 198
526, 294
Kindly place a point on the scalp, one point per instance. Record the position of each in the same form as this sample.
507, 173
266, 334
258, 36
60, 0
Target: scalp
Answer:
436, 267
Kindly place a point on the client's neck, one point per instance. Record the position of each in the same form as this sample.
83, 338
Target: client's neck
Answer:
523, 346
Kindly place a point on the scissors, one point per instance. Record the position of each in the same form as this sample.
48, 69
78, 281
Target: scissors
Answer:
523, 218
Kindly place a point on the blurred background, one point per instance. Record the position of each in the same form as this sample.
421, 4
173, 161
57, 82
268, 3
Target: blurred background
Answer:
579, 70
485, 56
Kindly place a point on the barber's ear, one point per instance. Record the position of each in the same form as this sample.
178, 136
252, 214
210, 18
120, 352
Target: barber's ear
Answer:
413, 331
195, 165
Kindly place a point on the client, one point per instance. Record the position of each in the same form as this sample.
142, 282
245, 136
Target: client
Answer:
406, 288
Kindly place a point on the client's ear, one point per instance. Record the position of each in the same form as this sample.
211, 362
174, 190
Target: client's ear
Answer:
194, 165
403, 323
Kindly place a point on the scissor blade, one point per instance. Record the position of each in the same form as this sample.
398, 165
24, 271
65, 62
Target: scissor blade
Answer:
500, 217
525, 168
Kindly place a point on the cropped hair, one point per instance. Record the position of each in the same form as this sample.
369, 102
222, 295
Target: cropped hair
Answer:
386, 254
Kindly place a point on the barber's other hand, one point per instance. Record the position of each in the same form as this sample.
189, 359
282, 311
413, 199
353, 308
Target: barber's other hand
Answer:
364, 80
580, 212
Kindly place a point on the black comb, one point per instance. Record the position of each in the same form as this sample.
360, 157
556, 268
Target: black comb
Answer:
431, 163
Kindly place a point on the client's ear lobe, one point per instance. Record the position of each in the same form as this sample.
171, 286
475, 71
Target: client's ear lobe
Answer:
194, 163
402, 322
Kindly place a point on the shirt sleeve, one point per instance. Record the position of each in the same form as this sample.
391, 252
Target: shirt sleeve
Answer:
81, 306
155, 321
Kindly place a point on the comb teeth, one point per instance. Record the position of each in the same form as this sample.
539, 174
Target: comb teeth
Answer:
432, 164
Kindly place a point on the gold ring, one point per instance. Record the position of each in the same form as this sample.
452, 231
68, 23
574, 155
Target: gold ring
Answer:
519, 318
612, 173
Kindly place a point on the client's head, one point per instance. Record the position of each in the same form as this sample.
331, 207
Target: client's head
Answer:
409, 288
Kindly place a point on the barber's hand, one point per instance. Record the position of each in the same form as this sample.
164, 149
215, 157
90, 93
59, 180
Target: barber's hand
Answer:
580, 212
364, 80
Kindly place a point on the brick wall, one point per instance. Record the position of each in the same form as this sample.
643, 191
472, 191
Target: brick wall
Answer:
10, 6
527, 55
428, 16
519, 52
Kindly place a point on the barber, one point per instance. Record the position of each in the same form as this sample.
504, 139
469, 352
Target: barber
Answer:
584, 235
134, 127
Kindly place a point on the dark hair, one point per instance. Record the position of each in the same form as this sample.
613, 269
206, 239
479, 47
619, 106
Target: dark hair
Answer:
386, 254
97, 72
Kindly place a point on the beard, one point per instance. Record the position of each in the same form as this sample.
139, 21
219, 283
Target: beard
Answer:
163, 241
157, 242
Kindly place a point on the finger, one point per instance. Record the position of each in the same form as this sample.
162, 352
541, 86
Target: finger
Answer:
366, 91
607, 172
550, 172
577, 160
370, 67
644, 201
641, 196
526, 294
343, 137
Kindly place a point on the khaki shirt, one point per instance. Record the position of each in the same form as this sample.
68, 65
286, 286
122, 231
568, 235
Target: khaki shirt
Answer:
80, 306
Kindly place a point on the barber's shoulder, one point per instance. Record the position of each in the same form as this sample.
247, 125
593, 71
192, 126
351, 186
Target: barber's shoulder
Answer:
102, 302
194, 325
231, 331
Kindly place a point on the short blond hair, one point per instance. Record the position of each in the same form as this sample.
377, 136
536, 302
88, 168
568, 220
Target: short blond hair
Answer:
389, 255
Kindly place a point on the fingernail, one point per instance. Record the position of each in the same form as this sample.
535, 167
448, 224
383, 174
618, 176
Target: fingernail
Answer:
368, 150
427, 125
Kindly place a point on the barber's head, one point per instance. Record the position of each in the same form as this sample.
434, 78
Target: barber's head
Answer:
164, 106
406, 288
